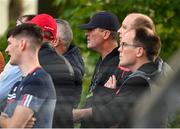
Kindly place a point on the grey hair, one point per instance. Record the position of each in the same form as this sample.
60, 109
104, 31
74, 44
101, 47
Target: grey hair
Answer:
64, 31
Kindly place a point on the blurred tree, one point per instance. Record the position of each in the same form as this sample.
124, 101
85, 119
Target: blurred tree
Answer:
15, 9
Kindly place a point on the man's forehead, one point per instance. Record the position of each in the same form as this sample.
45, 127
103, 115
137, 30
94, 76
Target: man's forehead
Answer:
128, 35
11, 38
129, 20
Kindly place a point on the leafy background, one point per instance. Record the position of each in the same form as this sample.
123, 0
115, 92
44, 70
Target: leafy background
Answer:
165, 14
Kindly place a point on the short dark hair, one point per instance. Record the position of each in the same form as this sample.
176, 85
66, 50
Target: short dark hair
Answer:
27, 30
149, 41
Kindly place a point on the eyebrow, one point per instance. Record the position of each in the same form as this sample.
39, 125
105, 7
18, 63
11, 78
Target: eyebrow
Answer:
8, 42
124, 26
123, 42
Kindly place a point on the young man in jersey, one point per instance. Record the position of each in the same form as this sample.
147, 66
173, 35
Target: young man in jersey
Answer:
11, 73
34, 95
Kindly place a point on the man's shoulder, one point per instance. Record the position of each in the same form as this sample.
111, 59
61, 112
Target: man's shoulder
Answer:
39, 74
112, 57
10, 68
137, 80
10, 72
48, 56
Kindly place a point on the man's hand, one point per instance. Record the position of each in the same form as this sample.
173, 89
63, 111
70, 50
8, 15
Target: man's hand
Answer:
111, 83
79, 114
31, 123
19, 119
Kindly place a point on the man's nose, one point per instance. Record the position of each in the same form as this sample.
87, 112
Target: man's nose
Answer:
120, 48
7, 50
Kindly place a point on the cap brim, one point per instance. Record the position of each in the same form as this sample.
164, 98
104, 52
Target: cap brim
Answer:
87, 26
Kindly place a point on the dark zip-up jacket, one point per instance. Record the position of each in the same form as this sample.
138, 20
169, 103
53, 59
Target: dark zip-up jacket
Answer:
103, 70
114, 108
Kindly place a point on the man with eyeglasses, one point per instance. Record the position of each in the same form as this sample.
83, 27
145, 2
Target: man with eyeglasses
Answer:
138, 50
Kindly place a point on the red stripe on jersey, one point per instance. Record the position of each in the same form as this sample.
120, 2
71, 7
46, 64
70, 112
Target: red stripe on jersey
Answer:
23, 100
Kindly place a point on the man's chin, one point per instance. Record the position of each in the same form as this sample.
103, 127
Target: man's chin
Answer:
122, 65
12, 63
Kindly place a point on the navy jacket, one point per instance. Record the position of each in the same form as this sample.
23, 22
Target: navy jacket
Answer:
75, 59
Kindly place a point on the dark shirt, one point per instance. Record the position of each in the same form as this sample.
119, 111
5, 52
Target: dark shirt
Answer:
35, 91
64, 82
103, 70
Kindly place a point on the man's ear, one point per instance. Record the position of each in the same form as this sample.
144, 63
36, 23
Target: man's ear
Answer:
23, 44
140, 51
55, 42
107, 33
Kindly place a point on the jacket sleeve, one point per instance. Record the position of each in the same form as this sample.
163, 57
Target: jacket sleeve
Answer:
103, 95
119, 107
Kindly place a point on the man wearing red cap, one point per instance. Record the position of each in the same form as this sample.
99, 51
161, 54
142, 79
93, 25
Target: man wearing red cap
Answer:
58, 67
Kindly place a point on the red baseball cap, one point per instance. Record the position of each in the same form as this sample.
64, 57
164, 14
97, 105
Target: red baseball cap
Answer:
46, 23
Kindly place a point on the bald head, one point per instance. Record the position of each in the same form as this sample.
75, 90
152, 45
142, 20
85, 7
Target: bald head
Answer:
136, 20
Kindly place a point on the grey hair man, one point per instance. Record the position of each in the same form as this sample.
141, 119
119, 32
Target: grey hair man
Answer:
63, 45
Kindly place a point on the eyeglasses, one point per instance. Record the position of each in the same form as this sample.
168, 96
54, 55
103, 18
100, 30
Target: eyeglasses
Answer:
124, 44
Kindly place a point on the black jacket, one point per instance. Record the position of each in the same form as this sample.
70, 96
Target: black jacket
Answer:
64, 82
103, 70
114, 108
74, 57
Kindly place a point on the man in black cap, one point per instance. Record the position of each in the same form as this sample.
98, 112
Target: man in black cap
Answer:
101, 37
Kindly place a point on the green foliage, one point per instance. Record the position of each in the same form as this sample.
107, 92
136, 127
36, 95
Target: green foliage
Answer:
174, 120
3, 44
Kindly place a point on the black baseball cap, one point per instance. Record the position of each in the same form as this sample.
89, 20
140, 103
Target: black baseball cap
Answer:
104, 20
